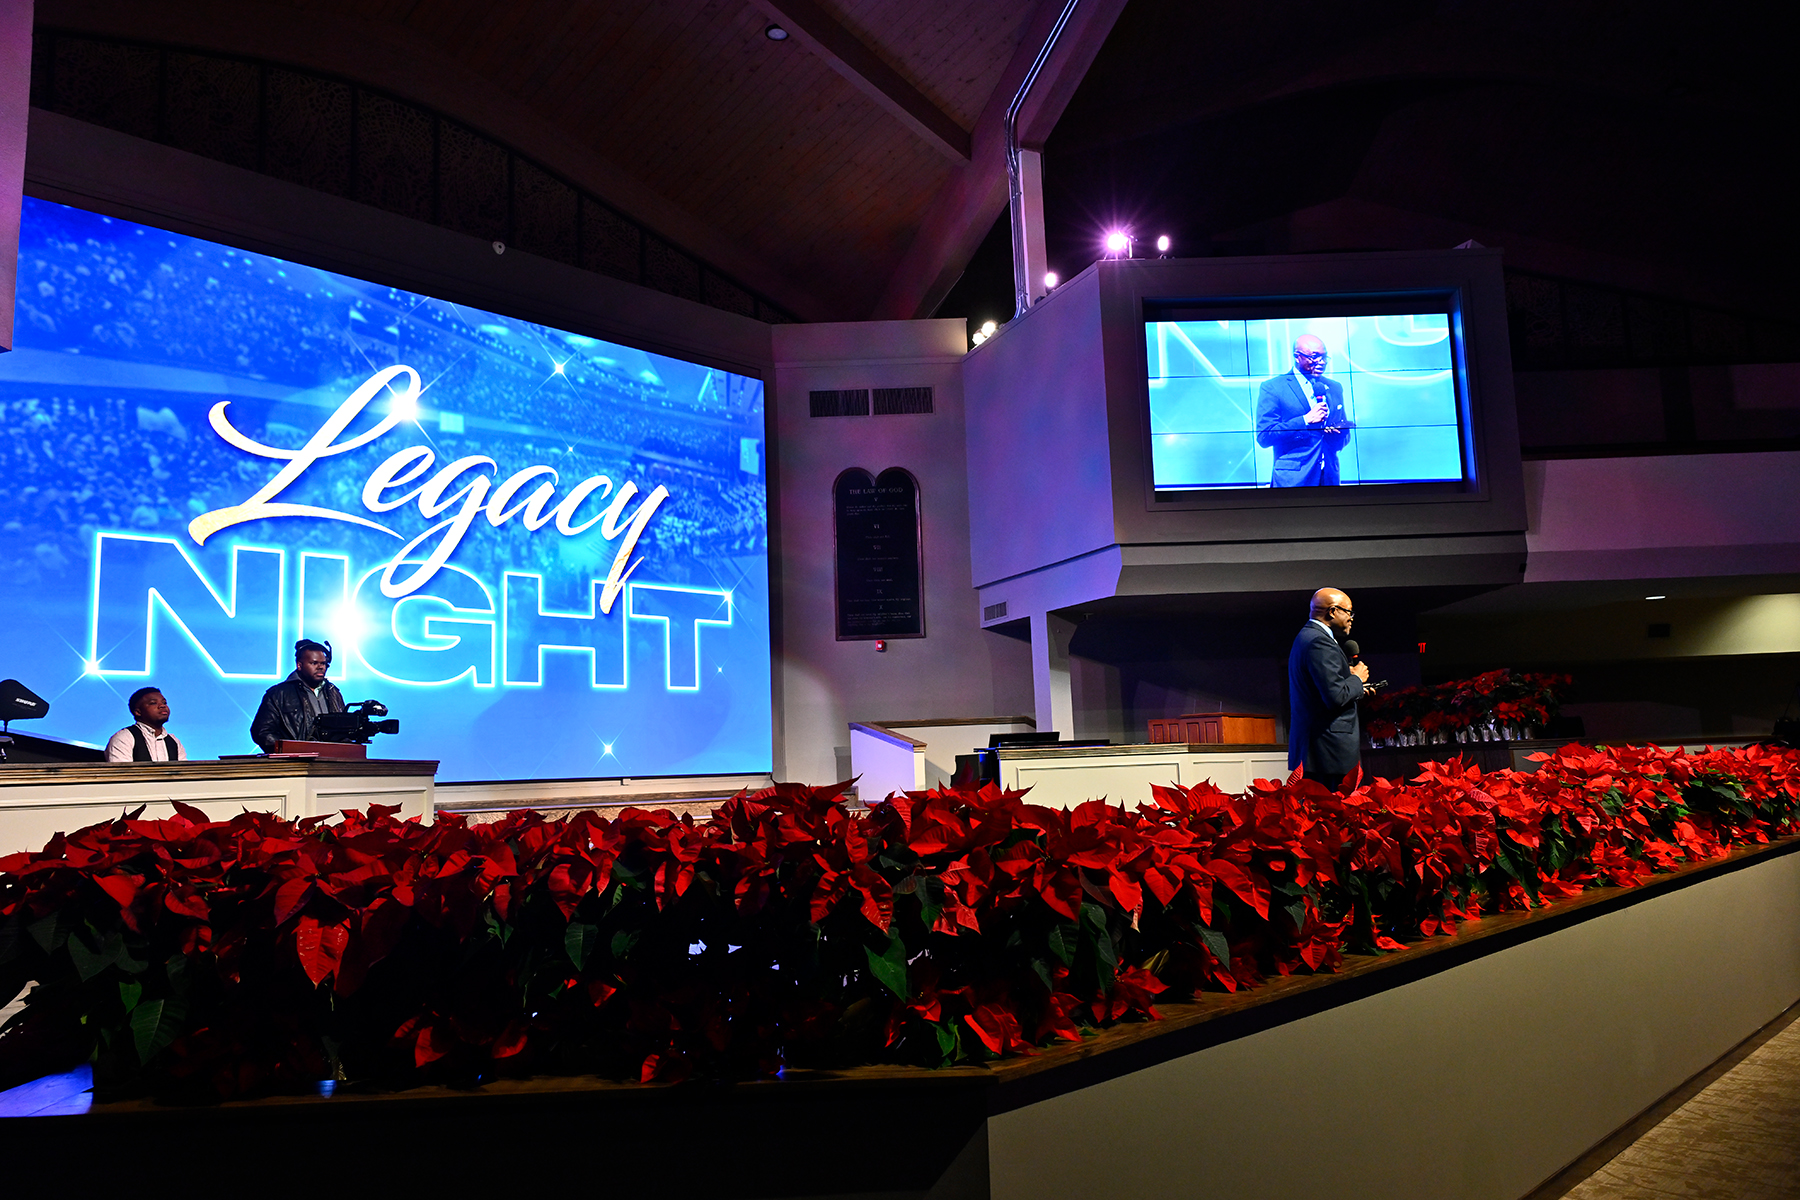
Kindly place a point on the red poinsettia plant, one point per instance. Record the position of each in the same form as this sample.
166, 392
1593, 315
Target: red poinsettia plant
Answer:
1495, 705
199, 958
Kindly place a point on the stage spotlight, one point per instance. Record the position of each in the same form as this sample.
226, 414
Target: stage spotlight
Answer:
1118, 243
1162, 245
775, 33
1049, 281
989, 328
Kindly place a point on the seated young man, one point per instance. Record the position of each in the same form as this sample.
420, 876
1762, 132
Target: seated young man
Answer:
145, 740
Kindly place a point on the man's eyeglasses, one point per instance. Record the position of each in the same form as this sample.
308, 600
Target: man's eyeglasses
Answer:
1348, 612
1313, 356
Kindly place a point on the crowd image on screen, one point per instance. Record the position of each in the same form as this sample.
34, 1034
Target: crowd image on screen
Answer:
123, 444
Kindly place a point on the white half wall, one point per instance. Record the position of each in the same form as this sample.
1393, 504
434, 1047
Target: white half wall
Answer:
1477, 1083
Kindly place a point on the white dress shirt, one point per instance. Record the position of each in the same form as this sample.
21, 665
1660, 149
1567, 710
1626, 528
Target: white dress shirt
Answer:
1306, 385
120, 747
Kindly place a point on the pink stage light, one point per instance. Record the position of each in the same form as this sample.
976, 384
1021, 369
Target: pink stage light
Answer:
1118, 242
1162, 244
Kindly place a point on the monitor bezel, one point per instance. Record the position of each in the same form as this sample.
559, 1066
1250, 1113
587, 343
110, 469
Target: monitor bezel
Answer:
1448, 300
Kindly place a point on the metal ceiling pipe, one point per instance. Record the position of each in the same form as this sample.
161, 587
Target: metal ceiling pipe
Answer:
1015, 176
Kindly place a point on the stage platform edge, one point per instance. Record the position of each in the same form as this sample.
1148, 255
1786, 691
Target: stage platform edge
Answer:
1476, 1066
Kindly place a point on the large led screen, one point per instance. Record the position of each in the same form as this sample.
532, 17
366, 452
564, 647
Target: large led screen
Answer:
1304, 402
546, 554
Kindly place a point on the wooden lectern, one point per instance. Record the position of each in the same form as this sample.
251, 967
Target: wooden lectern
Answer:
1215, 728
344, 750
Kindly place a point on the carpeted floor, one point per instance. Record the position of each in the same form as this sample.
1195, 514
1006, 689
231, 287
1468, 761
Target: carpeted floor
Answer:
1738, 1139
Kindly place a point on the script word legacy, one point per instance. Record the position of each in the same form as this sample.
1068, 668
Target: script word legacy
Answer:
464, 489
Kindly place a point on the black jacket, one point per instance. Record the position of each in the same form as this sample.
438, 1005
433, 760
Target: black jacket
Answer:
283, 715
1323, 729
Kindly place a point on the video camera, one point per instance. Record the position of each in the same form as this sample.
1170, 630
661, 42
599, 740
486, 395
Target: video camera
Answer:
355, 724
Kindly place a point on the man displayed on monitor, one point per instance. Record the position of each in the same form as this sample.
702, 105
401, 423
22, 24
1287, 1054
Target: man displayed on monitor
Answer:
1301, 416
145, 739
289, 708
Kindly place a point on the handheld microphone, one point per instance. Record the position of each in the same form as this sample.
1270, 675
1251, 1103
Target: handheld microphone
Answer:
1354, 652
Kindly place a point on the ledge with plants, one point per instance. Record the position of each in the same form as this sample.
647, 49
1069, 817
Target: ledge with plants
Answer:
192, 959
1495, 706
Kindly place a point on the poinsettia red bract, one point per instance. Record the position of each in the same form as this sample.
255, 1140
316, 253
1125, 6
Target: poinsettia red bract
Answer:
215, 959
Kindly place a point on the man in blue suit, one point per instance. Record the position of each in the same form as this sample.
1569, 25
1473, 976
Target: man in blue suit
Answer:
1323, 688
1300, 415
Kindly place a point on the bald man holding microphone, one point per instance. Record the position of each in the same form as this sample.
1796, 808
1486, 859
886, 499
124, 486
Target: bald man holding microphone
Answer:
1324, 732
1301, 416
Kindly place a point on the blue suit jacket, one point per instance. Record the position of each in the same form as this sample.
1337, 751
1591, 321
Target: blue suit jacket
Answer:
1305, 455
1324, 731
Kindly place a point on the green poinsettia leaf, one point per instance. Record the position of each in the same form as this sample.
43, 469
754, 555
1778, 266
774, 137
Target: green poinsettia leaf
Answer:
88, 961
52, 930
1215, 942
890, 965
949, 1041
579, 942
154, 1024
1296, 913
175, 968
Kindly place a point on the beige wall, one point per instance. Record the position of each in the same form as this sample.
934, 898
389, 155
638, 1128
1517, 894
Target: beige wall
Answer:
957, 669
1662, 516
1698, 627
15, 108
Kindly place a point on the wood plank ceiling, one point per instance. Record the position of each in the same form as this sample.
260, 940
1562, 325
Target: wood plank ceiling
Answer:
761, 139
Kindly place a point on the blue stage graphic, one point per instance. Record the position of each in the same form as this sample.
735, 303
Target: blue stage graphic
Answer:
1213, 385
546, 554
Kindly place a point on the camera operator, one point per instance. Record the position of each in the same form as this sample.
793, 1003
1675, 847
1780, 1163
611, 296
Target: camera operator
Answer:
289, 708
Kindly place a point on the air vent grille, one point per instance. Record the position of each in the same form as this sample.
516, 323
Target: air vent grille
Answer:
848, 402
994, 612
894, 401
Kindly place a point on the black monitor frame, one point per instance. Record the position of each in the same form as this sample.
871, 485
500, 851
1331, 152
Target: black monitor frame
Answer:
1447, 302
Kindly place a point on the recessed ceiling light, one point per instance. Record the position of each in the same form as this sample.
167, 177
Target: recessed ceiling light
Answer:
775, 33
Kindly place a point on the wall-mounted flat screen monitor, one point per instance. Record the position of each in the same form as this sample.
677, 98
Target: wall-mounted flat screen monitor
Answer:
545, 553
1302, 394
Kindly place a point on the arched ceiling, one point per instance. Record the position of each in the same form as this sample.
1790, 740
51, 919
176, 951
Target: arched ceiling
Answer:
806, 167
854, 169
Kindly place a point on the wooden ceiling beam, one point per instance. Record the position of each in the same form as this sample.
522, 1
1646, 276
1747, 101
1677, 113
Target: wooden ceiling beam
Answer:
845, 53
965, 207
